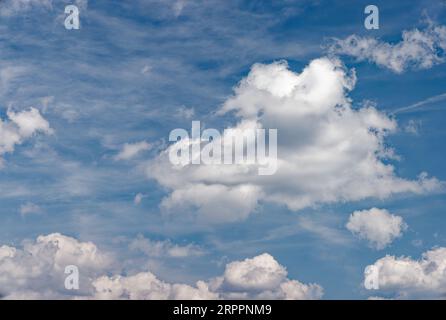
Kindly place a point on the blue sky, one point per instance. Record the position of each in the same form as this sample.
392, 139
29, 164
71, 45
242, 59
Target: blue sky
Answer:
135, 70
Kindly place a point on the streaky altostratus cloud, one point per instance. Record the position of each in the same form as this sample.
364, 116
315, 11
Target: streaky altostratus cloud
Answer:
407, 278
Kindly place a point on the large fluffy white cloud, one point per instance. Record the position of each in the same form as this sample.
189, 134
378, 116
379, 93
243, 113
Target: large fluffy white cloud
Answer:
36, 271
327, 151
408, 278
19, 127
377, 226
418, 49
261, 277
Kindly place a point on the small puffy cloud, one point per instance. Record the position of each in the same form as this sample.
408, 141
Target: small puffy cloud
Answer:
146, 69
29, 208
377, 226
407, 278
328, 152
36, 271
131, 150
164, 248
420, 49
19, 127
262, 277
29, 122
138, 199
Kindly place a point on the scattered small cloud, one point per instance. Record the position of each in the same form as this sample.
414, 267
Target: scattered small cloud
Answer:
131, 150
413, 127
138, 199
377, 226
418, 49
407, 278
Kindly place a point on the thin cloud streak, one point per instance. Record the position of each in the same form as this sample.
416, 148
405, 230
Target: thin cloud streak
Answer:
414, 107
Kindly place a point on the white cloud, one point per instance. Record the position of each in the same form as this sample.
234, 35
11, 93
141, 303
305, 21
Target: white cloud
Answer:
377, 226
413, 127
164, 248
418, 49
178, 7
328, 152
29, 208
146, 286
146, 69
138, 199
262, 277
36, 271
407, 278
13, 7
131, 150
29, 122
20, 126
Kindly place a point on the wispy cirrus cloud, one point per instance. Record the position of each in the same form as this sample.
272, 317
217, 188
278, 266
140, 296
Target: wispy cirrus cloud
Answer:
418, 49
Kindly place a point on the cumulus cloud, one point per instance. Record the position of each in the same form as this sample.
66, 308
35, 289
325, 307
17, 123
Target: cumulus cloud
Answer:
131, 150
164, 248
261, 277
407, 278
146, 286
19, 127
29, 208
36, 271
419, 49
10, 8
377, 226
327, 151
